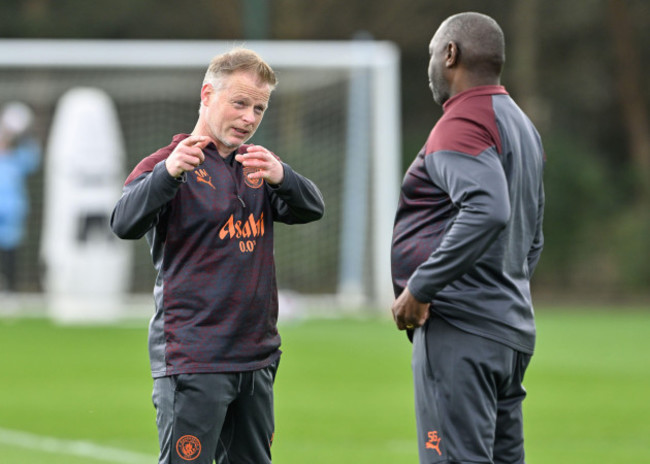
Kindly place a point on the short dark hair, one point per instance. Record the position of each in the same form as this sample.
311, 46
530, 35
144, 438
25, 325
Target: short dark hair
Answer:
480, 41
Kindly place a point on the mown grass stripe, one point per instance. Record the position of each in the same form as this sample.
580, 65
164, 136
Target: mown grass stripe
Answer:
78, 448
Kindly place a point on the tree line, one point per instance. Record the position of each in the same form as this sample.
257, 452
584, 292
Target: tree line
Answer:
578, 69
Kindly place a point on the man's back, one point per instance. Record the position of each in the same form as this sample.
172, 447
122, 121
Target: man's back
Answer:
467, 237
481, 239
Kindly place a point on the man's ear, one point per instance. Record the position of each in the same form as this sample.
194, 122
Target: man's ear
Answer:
207, 91
452, 54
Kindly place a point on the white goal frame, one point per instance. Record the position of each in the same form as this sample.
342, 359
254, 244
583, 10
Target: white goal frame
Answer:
379, 59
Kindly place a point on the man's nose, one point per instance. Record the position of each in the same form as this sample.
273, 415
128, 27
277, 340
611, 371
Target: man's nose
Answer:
249, 116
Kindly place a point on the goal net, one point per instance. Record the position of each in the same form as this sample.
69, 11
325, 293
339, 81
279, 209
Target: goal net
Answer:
334, 117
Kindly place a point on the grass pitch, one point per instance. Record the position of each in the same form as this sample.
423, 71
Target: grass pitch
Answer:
343, 394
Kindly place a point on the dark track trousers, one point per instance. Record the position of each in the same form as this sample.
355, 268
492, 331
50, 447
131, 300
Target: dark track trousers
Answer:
468, 395
226, 418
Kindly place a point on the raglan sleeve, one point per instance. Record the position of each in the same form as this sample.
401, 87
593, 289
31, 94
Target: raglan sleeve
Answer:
477, 187
143, 199
297, 200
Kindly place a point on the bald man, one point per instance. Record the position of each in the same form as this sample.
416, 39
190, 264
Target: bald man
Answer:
466, 240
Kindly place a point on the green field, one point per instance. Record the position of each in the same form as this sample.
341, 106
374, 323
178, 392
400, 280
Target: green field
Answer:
72, 395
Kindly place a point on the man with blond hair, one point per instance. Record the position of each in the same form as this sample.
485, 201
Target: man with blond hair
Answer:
206, 204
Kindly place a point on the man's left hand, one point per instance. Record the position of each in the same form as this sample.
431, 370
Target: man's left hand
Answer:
267, 166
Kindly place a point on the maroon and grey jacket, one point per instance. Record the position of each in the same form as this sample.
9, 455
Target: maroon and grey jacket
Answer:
211, 239
468, 230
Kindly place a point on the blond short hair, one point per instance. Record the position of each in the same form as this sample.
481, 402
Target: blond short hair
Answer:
236, 60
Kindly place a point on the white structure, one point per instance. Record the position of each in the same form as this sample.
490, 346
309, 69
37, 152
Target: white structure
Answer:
86, 266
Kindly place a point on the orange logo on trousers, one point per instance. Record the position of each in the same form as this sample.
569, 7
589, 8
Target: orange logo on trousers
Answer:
434, 442
188, 447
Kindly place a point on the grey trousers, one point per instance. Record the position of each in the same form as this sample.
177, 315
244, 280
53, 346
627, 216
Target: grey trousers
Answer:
225, 418
468, 397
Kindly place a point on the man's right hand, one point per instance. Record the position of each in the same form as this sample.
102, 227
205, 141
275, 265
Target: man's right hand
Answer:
408, 312
187, 155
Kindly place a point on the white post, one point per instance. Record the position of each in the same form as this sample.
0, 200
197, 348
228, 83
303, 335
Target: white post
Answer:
385, 169
356, 188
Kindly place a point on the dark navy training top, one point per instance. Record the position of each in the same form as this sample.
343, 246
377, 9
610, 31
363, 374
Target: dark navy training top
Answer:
468, 229
211, 239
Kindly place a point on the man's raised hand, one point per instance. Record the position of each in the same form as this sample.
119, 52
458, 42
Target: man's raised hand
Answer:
267, 166
187, 155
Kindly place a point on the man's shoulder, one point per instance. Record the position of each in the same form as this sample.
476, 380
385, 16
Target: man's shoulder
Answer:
469, 127
460, 134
